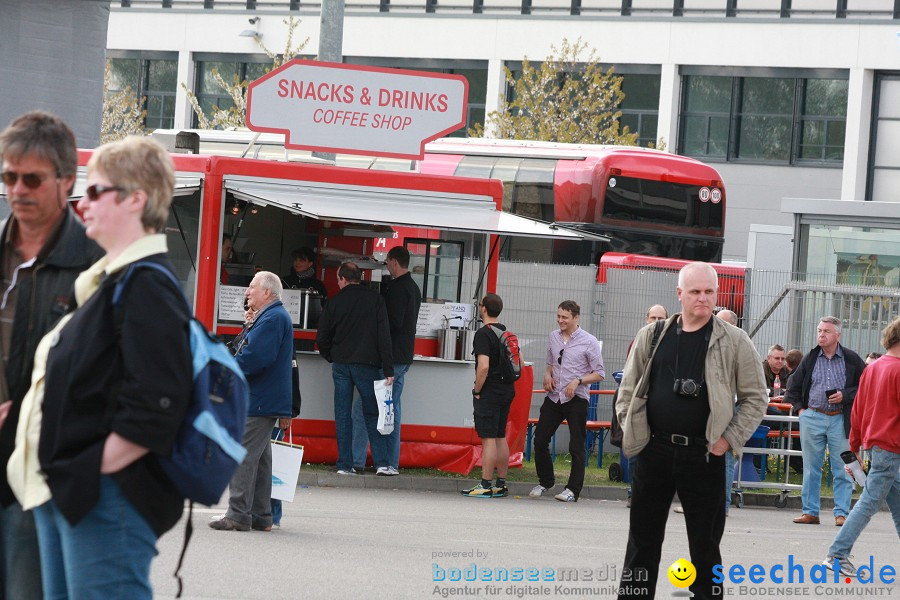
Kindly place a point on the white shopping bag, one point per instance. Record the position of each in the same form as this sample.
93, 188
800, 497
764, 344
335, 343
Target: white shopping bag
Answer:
286, 461
383, 394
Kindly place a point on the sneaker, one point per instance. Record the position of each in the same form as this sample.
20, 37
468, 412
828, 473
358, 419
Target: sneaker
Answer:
346, 472
383, 471
394, 471
566, 496
537, 491
359, 470
223, 523
276, 525
500, 492
846, 567
478, 492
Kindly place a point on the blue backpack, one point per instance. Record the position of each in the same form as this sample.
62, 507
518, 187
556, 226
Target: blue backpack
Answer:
208, 448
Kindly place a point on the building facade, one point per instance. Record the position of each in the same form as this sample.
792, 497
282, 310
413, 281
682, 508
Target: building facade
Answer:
786, 98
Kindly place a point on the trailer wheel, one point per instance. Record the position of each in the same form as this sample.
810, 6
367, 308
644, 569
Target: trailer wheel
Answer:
615, 472
740, 500
782, 500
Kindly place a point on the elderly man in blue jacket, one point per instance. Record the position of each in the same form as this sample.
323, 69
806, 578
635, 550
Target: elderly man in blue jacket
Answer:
265, 357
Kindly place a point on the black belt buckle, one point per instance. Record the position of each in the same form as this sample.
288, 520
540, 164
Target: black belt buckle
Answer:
680, 440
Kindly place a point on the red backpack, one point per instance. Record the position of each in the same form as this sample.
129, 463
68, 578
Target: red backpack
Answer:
510, 358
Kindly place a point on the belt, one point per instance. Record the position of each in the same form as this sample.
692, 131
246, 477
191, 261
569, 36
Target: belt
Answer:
676, 439
830, 413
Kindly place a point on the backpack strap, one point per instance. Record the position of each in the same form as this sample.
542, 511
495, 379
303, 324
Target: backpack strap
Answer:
657, 330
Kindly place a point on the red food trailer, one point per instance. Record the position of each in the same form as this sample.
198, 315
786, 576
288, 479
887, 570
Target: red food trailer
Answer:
451, 225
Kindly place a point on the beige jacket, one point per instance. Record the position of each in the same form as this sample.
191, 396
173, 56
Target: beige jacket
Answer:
733, 371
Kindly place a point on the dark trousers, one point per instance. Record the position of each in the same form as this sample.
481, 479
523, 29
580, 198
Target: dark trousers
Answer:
662, 470
552, 414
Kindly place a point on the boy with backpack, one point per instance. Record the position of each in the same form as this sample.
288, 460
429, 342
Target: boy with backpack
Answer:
574, 362
497, 366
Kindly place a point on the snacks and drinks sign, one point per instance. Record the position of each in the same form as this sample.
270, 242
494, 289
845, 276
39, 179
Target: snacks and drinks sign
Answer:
335, 107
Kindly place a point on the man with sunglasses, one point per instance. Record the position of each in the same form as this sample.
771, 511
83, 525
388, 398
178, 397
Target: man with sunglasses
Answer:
574, 362
43, 248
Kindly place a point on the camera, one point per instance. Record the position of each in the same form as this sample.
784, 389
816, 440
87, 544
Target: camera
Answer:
687, 388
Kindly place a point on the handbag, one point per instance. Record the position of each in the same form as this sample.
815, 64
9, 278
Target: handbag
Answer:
383, 394
286, 461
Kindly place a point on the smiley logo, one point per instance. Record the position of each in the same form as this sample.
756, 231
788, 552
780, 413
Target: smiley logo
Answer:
682, 573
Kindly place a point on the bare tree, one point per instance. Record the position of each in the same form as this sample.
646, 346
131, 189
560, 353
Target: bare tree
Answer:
562, 99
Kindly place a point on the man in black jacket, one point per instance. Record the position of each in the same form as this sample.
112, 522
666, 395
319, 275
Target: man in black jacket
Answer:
403, 299
822, 390
43, 248
354, 335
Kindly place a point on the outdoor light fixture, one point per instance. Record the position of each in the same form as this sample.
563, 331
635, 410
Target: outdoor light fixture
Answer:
253, 33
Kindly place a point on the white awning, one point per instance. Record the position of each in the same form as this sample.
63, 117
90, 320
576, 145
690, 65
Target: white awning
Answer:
403, 208
185, 185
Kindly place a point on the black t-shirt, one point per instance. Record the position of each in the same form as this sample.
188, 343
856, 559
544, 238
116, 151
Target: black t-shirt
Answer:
486, 342
666, 410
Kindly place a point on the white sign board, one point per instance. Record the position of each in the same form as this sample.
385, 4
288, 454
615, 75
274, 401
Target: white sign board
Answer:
231, 303
356, 109
431, 317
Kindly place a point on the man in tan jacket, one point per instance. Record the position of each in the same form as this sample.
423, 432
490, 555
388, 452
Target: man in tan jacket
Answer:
679, 418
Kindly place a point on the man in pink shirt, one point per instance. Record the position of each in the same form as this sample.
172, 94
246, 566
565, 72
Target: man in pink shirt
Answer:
574, 362
874, 426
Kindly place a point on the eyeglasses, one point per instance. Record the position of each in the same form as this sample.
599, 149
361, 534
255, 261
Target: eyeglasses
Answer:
31, 180
559, 360
93, 192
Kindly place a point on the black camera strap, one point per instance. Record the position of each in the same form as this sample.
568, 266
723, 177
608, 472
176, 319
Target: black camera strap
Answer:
706, 335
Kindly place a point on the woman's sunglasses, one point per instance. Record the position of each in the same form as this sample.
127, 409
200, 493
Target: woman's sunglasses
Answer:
93, 192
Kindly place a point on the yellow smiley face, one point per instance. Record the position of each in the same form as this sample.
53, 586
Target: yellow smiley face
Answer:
682, 573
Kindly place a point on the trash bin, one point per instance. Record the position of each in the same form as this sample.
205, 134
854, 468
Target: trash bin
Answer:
748, 471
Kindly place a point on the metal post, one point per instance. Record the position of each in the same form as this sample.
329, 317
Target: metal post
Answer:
678, 8
430, 6
575, 8
526, 7
331, 43
896, 14
731, 8
477, 6
626, 8
384, 6
785, 9
840, 12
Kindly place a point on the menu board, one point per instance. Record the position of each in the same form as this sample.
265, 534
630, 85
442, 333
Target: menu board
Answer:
231, 303
431, 317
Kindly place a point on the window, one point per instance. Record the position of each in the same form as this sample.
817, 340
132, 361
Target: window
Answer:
155, 80
764, 119
884, 167
210, 93
436, 267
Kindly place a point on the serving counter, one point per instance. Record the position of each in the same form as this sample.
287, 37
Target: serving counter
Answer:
437, 427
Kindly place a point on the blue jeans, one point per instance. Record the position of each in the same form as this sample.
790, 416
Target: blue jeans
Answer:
361, 437
361, 377
106, 555
20, 574
817, 430
882, 484
730, 462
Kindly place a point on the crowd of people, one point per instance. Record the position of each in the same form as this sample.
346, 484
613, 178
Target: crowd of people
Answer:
85, 412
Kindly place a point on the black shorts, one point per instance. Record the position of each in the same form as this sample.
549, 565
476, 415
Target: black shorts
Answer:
490, 418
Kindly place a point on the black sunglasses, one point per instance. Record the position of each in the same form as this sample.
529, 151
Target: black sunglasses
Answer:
31, 180
93, 192
559, 360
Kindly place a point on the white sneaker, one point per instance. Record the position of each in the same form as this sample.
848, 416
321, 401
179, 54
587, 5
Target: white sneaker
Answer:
394, 471
384, 471
566, 495
844, 565
537, 491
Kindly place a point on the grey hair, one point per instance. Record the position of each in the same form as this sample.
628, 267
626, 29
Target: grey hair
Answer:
834, 321
697, 266
270, 281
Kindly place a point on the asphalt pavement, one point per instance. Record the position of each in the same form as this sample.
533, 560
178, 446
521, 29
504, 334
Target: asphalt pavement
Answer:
375, 537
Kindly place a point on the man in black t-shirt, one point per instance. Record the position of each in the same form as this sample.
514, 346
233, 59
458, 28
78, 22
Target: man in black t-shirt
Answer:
491, 399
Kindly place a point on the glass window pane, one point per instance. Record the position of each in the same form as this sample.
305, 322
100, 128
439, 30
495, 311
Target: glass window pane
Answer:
718, 136
708, 94
826, 97
641, 92
477, 83
813, 132
207, 84
163, 76
764, 138
836, 133
763, 95
254, 71
124, 72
